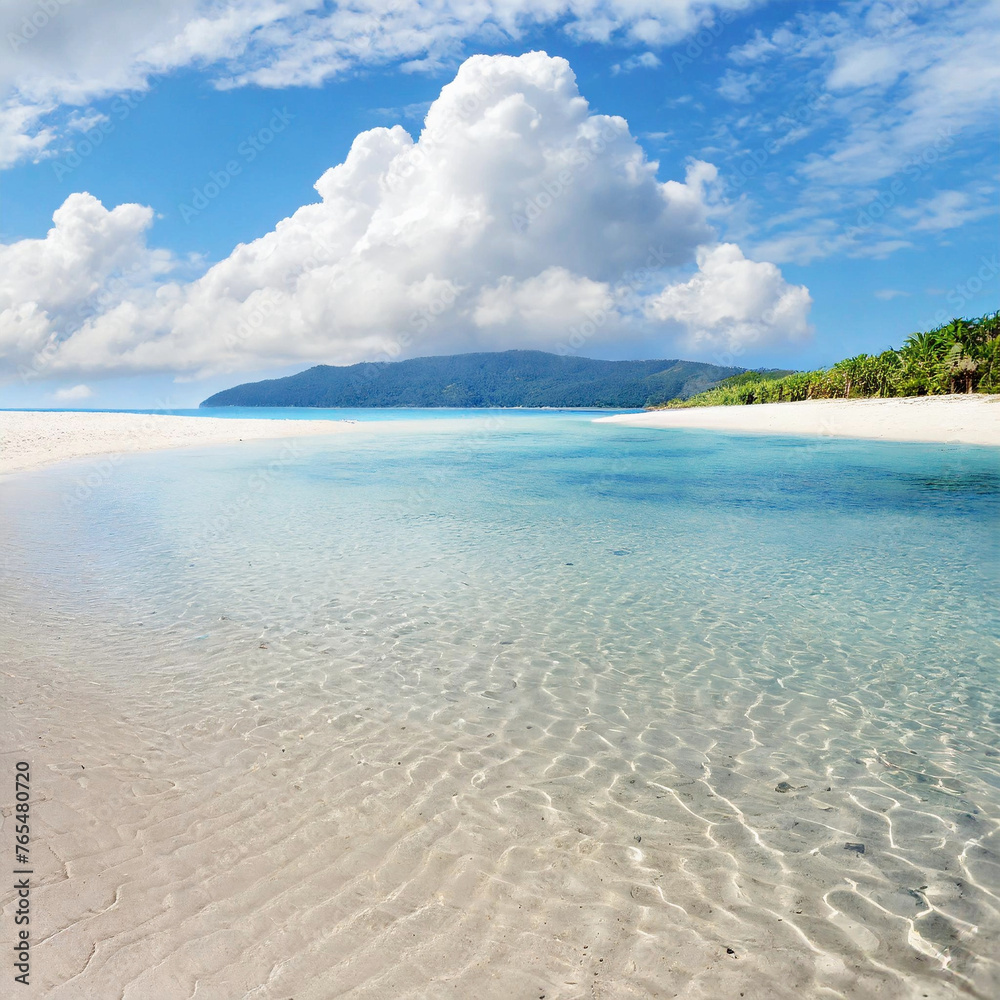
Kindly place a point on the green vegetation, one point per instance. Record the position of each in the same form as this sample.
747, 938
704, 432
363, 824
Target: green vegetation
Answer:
504, 378
962, 356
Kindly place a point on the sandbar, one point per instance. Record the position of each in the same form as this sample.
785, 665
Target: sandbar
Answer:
31, 439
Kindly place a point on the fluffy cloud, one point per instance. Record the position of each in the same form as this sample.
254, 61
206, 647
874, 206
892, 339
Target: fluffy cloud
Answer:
90, 259
73, 393
553, 300
515, 215
57, 52
732, 302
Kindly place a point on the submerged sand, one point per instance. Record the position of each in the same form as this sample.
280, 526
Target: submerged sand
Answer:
32, 439
292, 838
965, 419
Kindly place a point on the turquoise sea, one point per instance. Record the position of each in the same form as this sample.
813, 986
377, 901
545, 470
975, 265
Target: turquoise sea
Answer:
723, 708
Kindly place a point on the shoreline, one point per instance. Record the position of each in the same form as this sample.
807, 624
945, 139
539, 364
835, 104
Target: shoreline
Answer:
959, 419
34, 439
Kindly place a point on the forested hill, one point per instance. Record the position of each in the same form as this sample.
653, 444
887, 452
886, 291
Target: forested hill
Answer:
508, 378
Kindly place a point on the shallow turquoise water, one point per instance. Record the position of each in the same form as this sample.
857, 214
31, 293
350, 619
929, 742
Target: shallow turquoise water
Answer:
713, 611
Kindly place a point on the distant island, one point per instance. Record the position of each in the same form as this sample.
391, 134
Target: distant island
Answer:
500, 379
962, 356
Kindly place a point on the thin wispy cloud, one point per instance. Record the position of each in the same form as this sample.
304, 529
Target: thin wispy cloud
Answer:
947, 210
739, 87
890, 94
646, 60
58, 58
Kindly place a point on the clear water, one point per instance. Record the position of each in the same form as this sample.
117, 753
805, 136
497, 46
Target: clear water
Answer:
716, 659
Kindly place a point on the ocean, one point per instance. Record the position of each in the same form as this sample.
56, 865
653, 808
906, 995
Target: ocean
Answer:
511, 703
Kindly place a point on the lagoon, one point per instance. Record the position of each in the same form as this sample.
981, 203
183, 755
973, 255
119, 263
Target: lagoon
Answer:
513, 703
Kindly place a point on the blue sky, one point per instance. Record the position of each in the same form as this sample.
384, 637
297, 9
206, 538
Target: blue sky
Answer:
847, 194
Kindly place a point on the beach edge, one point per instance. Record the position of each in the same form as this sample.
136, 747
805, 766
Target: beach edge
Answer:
959, 419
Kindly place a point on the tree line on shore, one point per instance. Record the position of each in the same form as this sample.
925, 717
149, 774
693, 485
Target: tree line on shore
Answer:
960, 356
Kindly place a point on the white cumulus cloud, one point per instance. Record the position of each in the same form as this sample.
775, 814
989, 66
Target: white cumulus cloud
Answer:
553, 300
88, 260
514, 215
732, 302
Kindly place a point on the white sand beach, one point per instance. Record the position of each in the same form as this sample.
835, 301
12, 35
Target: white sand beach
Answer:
960, 419
32, 439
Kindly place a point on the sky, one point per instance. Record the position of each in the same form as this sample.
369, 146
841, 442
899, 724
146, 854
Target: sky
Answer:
199, 193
